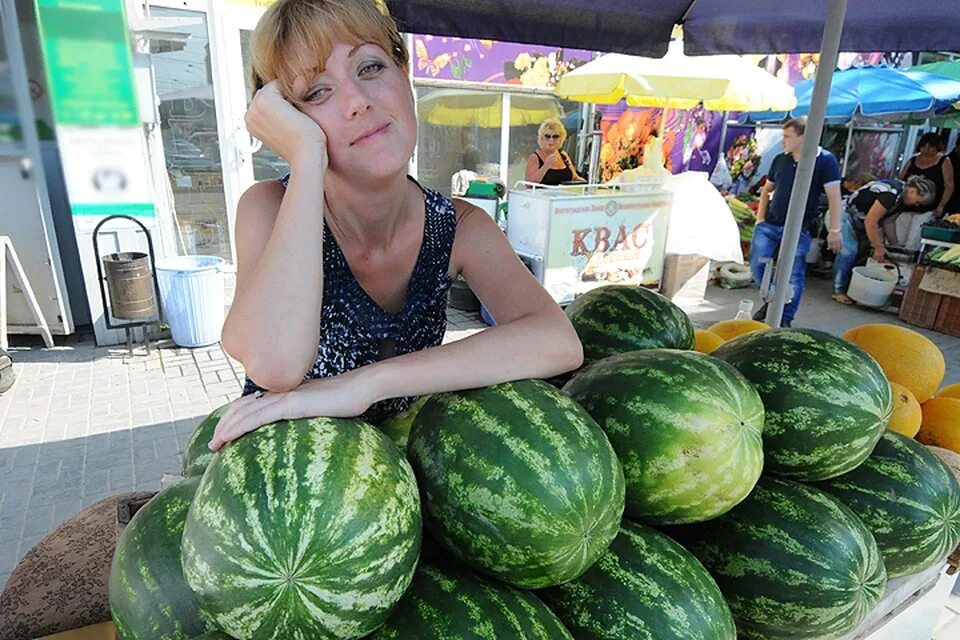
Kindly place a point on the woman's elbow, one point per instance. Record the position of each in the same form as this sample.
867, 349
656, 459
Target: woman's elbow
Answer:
272, 377
569, 350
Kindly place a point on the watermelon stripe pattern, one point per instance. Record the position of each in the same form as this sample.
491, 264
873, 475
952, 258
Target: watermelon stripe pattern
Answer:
791, 561
451, 603
645, 587
827, 402
197, 455
908, 499
619, 318
517, 481
306, 529
687, 428
149, 597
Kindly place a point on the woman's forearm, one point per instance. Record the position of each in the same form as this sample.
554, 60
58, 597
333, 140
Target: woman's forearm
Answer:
536, 346
274, 322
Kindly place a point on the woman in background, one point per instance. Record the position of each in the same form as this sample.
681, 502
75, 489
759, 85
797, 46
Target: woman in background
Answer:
550, 164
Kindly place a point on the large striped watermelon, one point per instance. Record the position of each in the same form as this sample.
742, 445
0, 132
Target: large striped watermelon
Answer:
196, 454
449, 602
620, 318
908, 499
791, 561
518, 481
149, 598
645, 587
304, 529
685, 426
826, 401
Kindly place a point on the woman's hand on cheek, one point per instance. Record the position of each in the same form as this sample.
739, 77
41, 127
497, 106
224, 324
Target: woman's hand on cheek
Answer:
290, 133
344, 396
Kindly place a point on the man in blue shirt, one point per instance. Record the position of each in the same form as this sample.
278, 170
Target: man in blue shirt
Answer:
772, 215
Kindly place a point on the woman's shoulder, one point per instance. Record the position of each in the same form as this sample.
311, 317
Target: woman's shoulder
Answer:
262, 198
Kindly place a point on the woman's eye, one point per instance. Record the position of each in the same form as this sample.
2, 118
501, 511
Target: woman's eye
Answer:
371, 67
315, 94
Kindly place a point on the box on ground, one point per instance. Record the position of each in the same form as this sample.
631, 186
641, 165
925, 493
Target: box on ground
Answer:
685, 278
929, 310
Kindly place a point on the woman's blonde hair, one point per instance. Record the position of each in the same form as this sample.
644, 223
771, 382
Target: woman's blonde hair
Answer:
295, 37
554, 125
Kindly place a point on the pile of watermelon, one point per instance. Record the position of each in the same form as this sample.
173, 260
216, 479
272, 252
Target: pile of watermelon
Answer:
662, 493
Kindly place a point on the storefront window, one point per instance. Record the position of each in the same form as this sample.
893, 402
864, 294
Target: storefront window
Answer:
459, 129
266, 164
188, 125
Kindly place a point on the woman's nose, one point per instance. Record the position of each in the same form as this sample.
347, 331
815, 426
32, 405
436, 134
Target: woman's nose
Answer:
354, 99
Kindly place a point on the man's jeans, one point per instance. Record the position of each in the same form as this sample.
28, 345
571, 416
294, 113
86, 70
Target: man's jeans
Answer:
846, 260
766, 243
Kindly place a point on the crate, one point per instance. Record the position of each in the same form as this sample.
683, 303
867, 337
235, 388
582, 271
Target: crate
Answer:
685, 278
948, 316
919, 308
944, 234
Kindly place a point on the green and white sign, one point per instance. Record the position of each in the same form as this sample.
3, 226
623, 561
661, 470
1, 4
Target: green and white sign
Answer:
89, 66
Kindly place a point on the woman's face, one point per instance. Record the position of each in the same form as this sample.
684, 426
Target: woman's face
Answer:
551, 140
928, 150
363, 102
911, 197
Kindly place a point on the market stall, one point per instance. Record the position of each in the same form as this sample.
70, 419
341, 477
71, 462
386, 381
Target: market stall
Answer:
579, 237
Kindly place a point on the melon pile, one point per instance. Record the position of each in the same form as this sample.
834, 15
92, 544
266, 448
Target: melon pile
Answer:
651, 497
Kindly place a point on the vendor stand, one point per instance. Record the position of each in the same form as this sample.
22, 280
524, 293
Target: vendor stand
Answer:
578, 237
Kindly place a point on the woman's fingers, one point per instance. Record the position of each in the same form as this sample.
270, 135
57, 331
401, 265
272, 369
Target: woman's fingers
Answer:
245, 415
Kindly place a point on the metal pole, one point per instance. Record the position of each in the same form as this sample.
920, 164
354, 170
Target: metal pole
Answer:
723, 133
829, 52
846, 151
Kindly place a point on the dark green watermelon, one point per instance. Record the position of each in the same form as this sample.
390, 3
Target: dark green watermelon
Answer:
826, 402
908, 499
149, 598
196, 454
449, 602
398, 427
517, 481
303, 529
792, 562
685, 426
645, 587
619, 318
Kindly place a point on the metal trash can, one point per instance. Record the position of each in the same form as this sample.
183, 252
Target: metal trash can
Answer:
129, 285
192, 294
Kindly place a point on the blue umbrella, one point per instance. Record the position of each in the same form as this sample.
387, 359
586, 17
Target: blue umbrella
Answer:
877, 91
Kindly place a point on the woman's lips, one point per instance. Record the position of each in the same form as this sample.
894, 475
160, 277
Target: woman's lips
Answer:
369, 135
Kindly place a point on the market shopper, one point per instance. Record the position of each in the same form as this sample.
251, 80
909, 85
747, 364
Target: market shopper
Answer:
932, 163
344, 265
861, 229
772, 210
550, 164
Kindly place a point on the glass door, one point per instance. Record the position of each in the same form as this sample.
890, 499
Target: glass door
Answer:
189, 124
254, 161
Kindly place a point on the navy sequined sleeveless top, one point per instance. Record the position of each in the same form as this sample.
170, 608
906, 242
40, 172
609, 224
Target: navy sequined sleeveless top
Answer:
352, 325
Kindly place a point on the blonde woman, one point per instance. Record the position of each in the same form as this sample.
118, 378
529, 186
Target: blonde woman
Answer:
343, 267
550, 164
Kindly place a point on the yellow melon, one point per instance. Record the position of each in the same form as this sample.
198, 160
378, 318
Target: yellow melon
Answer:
906, 356
949, 458
950, 391
707, 341
730, 329
941, 423
906, 416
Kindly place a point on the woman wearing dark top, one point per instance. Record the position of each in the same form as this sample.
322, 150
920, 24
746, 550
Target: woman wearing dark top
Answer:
549, 164
344, 266
932, 164
866, 208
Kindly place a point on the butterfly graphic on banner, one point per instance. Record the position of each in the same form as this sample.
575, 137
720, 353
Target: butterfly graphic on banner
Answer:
432, 65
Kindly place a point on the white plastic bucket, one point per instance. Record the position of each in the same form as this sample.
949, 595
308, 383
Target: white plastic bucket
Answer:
191, 290
872, 285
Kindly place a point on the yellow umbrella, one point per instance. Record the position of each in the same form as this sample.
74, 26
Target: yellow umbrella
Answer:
677, 81
465, 107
